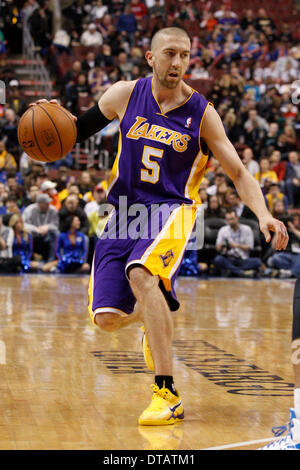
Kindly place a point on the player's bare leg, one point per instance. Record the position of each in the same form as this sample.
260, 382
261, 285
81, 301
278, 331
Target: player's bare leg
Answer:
110, 322
157, 318
166, 406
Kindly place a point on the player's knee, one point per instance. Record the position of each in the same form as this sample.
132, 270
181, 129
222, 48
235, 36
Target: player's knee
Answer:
108, 322
141, 280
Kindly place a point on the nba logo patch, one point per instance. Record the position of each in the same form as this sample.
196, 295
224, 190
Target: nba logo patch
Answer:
188, 122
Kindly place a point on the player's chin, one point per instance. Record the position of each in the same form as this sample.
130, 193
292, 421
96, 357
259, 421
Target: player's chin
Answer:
172, 82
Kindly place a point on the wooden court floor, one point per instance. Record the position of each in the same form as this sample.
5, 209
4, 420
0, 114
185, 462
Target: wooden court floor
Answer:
66, 385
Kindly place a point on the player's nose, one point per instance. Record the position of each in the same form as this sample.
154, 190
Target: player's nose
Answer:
176, 61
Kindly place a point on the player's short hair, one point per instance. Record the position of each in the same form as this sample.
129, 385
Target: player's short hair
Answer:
172, 30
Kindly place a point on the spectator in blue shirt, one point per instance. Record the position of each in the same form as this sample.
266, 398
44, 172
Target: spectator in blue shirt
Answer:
70, 250
127, 23
23, 244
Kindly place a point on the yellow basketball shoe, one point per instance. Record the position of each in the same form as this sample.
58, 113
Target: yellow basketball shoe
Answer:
146, 351
165, 408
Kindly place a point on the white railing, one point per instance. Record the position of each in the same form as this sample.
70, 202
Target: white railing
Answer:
34, 62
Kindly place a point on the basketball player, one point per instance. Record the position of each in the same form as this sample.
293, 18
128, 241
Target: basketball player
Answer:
166, 129
292, 440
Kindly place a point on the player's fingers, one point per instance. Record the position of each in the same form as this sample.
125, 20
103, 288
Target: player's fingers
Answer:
282, 238
54, 102
266, 233
42, 100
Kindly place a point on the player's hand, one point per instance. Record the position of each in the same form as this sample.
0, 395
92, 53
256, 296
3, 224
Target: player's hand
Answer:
270, 224
43, 100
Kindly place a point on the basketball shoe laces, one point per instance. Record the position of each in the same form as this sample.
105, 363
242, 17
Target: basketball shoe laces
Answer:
159, 397
279, 431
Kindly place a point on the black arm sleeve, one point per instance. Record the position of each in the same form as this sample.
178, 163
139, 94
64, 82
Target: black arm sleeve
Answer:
90, 122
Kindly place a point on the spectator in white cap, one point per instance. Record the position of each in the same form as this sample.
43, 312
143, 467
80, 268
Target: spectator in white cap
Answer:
49, 187
91, 37
14, 97
41, 220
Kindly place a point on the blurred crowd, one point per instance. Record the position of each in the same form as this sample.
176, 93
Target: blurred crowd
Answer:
248, 65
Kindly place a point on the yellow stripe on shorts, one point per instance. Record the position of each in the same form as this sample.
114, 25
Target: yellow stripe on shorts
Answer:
164, 255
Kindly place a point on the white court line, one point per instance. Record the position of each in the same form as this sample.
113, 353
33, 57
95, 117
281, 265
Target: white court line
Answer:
240, 444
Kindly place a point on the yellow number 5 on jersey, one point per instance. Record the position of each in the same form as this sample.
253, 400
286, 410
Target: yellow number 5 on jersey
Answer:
151, 175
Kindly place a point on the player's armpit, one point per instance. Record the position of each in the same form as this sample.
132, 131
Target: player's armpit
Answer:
113, 102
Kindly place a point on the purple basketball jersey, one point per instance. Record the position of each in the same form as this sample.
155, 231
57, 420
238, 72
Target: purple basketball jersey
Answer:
159, 158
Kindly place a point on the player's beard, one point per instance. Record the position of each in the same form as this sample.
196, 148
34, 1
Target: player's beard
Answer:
169, 82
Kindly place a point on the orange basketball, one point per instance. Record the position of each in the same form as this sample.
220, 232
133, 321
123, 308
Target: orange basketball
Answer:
47, 132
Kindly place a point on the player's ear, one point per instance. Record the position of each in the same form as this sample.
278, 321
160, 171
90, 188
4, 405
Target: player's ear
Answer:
149, 57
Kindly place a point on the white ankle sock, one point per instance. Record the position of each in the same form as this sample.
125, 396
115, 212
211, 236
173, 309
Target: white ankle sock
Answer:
297, 402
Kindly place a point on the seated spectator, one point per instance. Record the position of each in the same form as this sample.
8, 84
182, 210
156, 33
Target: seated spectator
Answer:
6, 240
157, 10
227, 21
139, 9
278, 166
98, 83
90, 62
234, 243
73, 188
251, 49
208, 22
15, 100
188, 11
265, 176
292, 178
279, 210
271, 138
49, 187
248, 19
31, 195
249, 162
86, 185
9, 130
127, 23
8, 262
3, 198
190, 265
41, 220
62, 179
23, 244
204, 197
219, 184
198, 71
125, 64
273, 195
253, 90
214, 208
7, 160
71, 207
99, 196
91, 37
62, 41
263, 21
11, 204
256, 128
287, 262
105, 58
70, 250
98, 11
225, 7
287, 141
